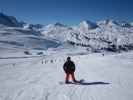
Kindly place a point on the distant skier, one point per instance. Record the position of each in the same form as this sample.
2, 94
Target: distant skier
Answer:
69, 68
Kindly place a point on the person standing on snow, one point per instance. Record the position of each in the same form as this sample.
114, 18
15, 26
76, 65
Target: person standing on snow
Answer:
69, 68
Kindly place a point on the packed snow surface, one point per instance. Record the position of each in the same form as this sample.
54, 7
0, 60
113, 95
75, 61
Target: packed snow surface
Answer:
38, 78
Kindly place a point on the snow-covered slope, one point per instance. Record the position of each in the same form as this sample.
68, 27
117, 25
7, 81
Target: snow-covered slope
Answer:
36, 27
109, 34
106, 78
14, 35
19, 38
56, 31
105, 35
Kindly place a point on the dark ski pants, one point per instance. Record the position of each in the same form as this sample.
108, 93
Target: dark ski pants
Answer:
68, 76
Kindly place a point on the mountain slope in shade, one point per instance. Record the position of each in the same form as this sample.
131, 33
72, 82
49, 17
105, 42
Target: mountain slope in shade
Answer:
9, 20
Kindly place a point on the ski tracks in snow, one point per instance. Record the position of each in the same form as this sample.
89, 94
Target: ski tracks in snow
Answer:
40, 81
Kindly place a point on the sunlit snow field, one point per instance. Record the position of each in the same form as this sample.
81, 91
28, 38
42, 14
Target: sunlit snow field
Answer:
38, 78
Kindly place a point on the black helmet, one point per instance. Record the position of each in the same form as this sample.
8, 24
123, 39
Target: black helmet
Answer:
68, 58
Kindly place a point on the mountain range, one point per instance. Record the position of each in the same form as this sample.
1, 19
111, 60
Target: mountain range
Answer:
106, 35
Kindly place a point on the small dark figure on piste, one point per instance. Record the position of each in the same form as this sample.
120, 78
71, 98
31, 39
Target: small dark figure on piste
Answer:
69, 68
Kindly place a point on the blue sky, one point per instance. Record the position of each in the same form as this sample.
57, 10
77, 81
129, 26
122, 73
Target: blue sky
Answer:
68, 11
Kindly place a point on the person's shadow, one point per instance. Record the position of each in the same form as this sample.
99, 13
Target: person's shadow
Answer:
94, 83
91, 83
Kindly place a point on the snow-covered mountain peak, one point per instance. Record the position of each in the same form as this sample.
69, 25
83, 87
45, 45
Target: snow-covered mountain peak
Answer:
88, 24
103, 35
107, 22
59, 24
116, 23
85, 26
56, 31
35, 27
124, 24
54, 26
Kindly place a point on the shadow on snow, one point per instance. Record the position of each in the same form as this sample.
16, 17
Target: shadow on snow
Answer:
94, 83
90, 83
